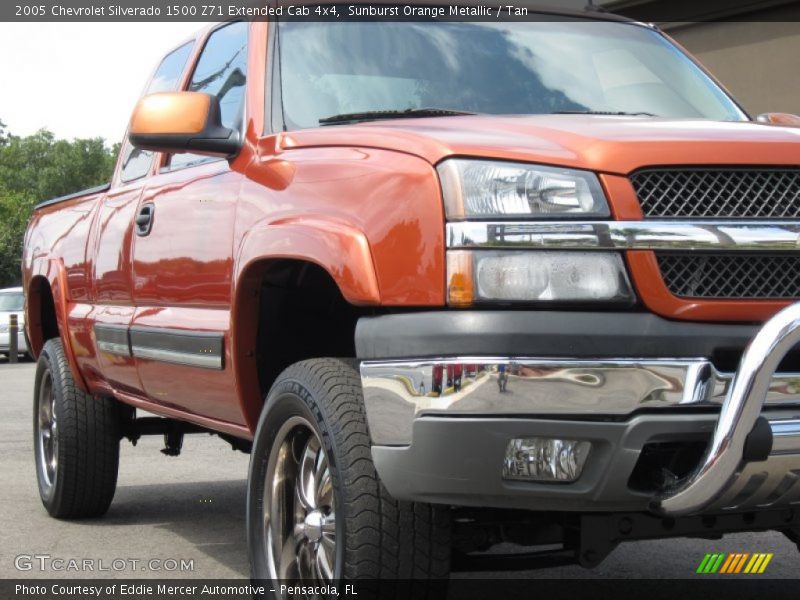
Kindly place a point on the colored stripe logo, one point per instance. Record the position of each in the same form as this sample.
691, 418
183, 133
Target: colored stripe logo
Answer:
734, 563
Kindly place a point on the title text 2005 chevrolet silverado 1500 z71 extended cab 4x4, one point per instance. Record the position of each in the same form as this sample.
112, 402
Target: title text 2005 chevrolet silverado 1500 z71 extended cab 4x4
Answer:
446, 291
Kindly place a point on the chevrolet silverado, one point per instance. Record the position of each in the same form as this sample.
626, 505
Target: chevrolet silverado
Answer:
451, 285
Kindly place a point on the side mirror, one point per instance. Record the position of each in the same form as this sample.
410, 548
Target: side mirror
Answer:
785, 119
182, 122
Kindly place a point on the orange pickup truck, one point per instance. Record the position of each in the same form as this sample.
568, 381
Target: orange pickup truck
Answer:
451, 284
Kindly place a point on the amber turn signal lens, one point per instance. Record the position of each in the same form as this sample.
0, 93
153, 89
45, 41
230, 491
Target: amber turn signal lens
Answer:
460, 284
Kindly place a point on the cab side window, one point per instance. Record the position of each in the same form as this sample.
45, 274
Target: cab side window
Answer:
221, 71
135, 162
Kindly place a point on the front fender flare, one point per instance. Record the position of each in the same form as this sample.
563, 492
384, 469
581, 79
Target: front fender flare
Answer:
342, 250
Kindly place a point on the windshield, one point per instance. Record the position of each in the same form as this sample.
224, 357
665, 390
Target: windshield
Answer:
11, 301
330, 69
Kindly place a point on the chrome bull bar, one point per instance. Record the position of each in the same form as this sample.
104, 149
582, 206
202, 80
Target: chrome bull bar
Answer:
731, 474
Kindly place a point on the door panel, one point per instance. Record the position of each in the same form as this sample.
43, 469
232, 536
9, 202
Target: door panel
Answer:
113, 297
113, 348
186, 258
112, 283
182, 272
112, 253
183, 266
183, 357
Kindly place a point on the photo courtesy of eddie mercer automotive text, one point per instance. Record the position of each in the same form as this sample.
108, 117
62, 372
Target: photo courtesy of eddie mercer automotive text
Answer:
454, 286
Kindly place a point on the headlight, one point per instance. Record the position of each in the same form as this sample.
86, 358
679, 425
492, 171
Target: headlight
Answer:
536, 276
488, 189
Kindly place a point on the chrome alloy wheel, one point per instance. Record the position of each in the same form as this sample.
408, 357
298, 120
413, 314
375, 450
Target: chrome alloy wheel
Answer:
299, 509
47, 432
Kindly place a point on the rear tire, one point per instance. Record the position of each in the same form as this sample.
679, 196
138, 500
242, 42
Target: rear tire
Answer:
76, 441
314, 423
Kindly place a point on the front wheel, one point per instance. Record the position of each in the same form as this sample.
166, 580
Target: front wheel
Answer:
317, 512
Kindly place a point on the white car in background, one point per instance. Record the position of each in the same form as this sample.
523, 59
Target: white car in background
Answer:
12, 302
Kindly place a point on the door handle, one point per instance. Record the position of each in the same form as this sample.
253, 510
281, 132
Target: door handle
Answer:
144, 219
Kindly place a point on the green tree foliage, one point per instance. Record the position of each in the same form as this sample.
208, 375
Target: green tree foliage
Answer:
36, 168
3, 134
15, 208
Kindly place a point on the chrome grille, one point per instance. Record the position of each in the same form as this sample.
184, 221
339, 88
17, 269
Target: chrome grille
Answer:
720, 193
735, 275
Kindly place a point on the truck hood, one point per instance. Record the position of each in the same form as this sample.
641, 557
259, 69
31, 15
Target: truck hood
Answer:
607, 144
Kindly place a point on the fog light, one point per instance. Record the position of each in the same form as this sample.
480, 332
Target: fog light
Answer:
545, 459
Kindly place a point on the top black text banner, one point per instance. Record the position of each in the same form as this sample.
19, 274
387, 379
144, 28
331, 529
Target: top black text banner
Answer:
652, 11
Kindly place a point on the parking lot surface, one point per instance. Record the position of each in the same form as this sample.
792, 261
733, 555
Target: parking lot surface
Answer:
190, 509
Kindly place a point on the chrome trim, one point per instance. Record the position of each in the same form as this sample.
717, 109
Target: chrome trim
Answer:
396, 392
191, 348
114, 348
721, 480
112, 339
205, 361
182, 347
627, 235
298, 506
774, 482
785, 436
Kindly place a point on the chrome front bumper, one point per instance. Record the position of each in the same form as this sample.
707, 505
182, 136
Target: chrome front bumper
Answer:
399, 393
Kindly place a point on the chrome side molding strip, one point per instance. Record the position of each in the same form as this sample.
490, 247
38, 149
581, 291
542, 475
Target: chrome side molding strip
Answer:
113, 339
189, 359
721, 471
188, 348
627, 235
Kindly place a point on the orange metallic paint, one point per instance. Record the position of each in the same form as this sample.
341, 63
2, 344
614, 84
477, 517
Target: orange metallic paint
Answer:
186, 258
170, 113
782, 119
361, 201
372, 218
622, 198
58, 278
609, 144
201, 392
166, 411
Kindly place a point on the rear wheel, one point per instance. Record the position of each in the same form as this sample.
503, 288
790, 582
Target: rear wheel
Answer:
317, 511
76, 441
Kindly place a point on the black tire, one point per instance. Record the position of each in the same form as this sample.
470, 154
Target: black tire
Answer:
81, 481
398, 549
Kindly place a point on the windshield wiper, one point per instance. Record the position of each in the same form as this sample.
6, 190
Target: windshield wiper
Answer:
409, 113
604, 112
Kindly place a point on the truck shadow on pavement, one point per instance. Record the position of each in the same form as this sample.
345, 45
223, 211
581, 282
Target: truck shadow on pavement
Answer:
209, 515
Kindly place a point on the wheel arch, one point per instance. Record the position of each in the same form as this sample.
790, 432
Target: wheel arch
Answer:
46, 313
310, 265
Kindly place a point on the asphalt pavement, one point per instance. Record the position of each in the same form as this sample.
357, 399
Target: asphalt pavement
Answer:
184, 517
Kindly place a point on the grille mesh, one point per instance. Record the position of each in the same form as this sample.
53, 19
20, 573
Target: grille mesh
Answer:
736, 275
719, 193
